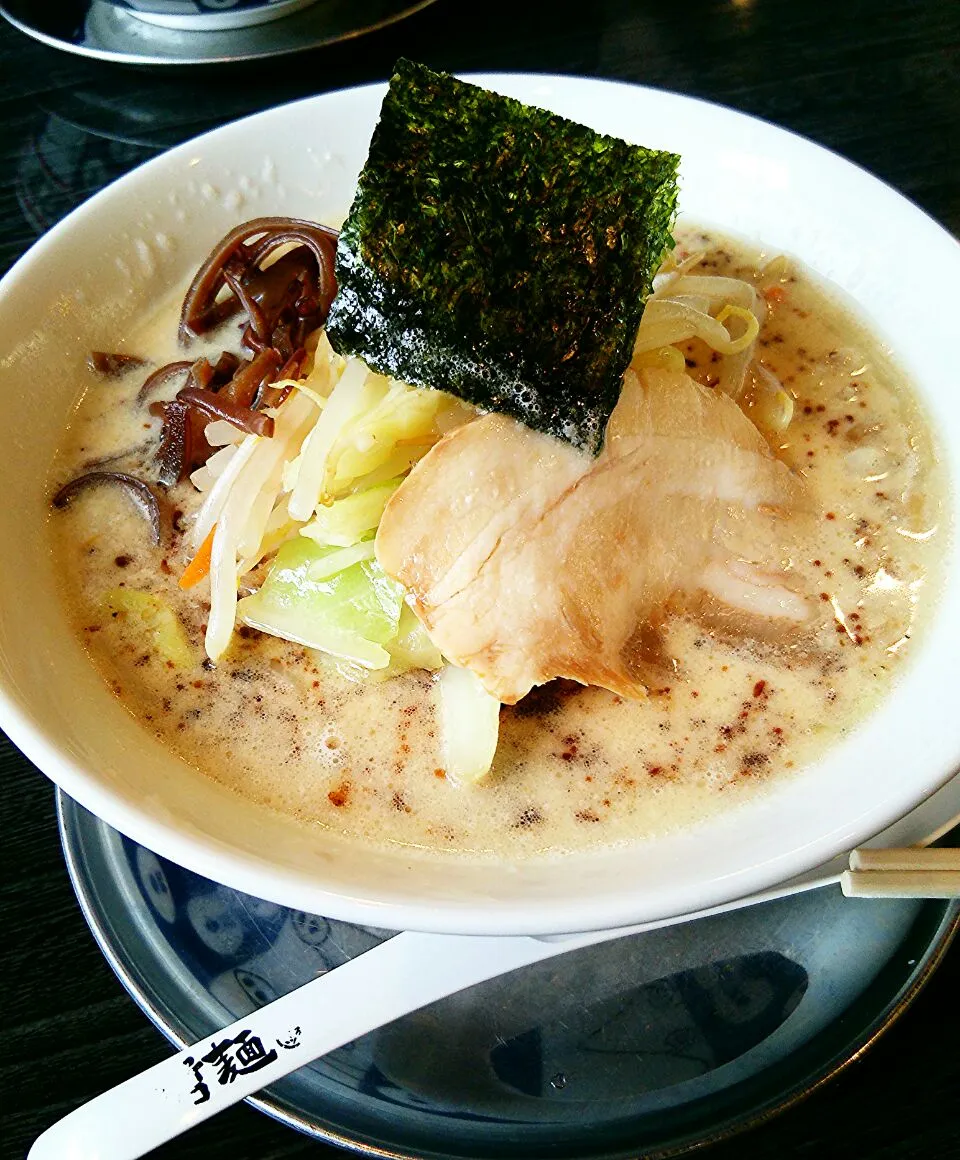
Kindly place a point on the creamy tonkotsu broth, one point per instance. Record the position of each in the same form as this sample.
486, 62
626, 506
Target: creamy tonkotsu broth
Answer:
576, 767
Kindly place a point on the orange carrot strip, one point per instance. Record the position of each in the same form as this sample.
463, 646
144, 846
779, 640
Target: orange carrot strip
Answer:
199, 566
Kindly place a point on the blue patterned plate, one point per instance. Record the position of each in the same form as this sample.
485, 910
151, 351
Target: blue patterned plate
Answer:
655, 1043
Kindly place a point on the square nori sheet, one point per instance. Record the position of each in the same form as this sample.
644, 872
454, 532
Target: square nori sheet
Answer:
500, 252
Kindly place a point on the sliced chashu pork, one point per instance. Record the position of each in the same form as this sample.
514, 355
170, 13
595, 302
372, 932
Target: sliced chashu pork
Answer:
528, 560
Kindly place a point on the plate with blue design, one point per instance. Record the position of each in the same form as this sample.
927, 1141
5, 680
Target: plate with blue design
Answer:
653, 1044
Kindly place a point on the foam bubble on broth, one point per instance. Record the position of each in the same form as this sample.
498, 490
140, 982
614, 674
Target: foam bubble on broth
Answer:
576, 767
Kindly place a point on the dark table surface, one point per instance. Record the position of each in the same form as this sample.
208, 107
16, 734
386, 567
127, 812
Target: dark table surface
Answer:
878, 82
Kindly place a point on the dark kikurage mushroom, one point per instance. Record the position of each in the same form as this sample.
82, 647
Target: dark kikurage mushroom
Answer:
238, 260
141, 493
281, 300
113, 365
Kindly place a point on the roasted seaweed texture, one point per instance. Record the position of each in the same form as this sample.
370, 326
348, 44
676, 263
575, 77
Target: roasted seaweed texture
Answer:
500, 252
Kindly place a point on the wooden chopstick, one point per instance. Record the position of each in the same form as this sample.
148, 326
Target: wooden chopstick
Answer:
906, 873
912, 859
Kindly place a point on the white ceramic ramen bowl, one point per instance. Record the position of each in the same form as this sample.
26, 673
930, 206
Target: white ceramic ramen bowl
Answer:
110, 259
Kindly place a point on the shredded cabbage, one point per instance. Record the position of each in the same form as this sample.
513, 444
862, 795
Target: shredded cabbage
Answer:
160, 623
413, 648
337, 560
403, 418
410, 649
346, 521
279, 528
356, 390
351, 613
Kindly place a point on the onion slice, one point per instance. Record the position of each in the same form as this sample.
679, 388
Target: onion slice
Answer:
469, 723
